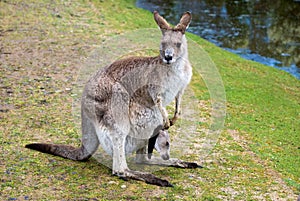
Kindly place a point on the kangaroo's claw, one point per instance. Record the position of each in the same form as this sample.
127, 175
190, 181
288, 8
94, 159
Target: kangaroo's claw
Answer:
173, 120
167, 124
191, 165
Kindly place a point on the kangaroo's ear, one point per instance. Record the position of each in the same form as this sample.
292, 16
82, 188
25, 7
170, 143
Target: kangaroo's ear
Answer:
184, 22
161, 22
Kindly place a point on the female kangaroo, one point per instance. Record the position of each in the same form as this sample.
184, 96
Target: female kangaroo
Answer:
123, 105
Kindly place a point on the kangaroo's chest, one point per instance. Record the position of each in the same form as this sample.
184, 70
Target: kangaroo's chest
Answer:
173, 84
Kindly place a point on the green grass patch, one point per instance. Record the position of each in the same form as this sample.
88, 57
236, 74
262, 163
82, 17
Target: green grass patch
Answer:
43, 44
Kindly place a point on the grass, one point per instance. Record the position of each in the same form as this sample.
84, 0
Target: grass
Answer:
43, 45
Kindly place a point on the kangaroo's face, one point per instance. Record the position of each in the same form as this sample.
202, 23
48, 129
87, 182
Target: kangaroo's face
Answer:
162, 144
171, 46
173, 40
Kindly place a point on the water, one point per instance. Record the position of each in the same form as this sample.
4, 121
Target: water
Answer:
264, 31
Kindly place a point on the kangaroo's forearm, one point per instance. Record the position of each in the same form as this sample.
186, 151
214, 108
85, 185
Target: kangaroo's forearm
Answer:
163, 112
177, 108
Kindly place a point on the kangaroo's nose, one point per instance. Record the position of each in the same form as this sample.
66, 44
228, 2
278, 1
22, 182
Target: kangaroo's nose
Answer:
169, 55
168, 58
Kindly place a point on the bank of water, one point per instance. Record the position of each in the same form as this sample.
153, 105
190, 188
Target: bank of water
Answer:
264, 31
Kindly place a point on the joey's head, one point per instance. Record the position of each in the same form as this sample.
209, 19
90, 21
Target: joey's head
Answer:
173, 43
162, 144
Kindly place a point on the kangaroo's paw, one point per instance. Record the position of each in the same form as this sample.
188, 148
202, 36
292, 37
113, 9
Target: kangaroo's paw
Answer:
167, 124
146, 177
173, 120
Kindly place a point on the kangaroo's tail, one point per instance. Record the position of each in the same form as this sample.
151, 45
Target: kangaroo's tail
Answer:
65, 151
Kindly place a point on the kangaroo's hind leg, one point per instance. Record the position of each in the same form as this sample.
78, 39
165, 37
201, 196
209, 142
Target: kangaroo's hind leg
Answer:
119, 161
146, 177
120, 168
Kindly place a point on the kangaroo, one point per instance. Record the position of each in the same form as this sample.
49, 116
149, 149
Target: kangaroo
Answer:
160, 143
123, 107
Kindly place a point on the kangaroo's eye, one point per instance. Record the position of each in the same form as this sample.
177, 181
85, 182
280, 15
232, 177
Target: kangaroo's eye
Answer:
178, 45
167, 144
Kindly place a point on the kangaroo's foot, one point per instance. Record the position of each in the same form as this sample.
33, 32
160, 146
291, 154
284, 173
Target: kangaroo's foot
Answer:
146, 177
172, 162
184, 164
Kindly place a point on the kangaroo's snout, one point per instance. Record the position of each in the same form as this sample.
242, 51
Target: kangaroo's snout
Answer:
162, 144
169, 55
168, 58
165, 156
